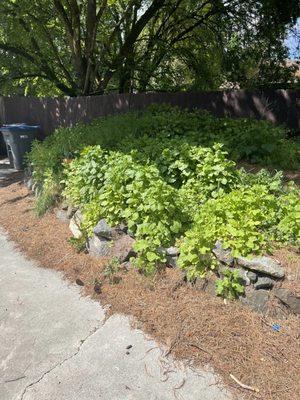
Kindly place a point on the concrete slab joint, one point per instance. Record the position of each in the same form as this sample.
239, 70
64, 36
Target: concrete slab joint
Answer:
55, 344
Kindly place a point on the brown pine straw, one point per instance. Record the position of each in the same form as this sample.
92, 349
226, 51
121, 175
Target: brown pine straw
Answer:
193, 325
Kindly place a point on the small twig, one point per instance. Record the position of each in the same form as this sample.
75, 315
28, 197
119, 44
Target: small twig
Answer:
201, 349
178, 387
147, 372
166, 374
253, 389
148, 351
16, 379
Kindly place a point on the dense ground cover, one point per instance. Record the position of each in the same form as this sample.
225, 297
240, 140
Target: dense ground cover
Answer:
191, 323
171, 176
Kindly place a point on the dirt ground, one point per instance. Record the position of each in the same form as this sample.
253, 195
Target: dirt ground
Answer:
194, 325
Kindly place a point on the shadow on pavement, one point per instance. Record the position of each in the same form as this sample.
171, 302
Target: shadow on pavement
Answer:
8, 175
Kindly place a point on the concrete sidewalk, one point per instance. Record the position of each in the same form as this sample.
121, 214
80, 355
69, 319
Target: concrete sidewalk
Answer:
56, 345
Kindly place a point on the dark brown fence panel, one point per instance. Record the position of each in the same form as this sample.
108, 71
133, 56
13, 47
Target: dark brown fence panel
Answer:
277, 106
51, 113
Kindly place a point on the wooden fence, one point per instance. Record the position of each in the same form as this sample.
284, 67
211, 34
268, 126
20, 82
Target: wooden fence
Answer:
277, 106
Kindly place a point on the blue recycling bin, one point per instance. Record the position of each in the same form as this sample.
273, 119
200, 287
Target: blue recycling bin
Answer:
18, 139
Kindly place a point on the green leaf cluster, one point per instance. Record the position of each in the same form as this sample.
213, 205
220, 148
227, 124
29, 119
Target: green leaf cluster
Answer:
166, 136
246, 220
170, 176
231, 286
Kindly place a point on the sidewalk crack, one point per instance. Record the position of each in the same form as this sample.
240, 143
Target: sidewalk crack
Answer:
60, 363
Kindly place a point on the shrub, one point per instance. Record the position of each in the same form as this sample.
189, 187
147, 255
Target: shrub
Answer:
48, 194
116, 187
168, 175
231, 286
247, 139
214, 176
246, 220
288, 229
263, 177
84, 175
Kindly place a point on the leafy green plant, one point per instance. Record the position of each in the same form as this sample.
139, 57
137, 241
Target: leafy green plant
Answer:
231, 286
246, 139
245, 220
288, 228
111, 270
274, 182
84, 175
78, 243
47, 195
168, 175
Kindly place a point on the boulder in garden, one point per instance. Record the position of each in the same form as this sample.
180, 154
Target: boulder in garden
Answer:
75, 225
264, 282
172, 262
289, 299
71, 211
223, 255
99, 247
257, 300
172, 251
264, 265
102, 229
122, 248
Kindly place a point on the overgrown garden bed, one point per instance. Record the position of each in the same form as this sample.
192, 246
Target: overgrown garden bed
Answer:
170, 178
159, 189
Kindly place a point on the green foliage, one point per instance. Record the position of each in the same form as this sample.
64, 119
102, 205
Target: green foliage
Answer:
231, 286
48, 194
288, 229
263, 177
246, 220
167, 137
111, 270
129, 192
47, 46
79, 244
84, 176
167, 174
214, 176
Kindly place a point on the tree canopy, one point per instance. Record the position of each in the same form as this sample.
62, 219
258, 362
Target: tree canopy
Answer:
87, 47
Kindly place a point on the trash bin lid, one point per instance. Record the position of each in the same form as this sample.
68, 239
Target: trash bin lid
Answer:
19, 127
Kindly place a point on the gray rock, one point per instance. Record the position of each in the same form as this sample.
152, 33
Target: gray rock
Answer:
62, 215
122, 248
172, 251
264, 282
71, 211
207, 285
29, 183
102, 229
172, 262
223, 255
99, 247
64, 206
265, 265
243, 274
75, 224
252, 276
257, 300
289, 299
